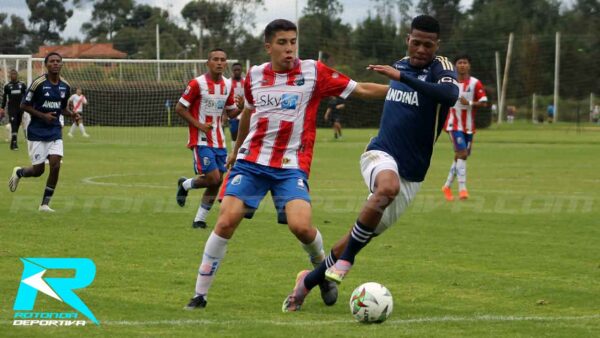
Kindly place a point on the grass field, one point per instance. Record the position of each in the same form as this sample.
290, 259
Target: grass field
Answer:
520, 258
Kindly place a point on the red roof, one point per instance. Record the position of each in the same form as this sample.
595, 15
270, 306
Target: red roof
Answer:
83, 51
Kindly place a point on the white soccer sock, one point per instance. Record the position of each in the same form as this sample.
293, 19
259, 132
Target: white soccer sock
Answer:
73, 126
187, 184
461, 174
202, 212
315, 250
451, 175
82, 128
214, 251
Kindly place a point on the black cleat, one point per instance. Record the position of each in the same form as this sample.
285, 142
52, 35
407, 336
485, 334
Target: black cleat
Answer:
199, 224
14, 146
329, 292
197, 302
181, 193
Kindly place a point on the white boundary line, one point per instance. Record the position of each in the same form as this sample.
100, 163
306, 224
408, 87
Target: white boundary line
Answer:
394, 322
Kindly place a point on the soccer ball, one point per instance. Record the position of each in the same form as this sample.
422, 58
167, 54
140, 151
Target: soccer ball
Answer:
371, 303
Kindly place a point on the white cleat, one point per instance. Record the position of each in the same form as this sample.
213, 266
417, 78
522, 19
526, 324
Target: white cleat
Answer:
70, 135
86, 135
45, 208
13, 182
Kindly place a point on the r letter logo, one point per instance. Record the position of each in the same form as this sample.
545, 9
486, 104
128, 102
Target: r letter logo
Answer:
33, 281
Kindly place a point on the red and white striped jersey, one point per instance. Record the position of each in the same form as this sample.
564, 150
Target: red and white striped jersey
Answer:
238, 90
462, 117
206, 100
283, 124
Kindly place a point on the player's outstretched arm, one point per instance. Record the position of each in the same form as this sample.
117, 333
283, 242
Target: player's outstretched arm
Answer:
369, 90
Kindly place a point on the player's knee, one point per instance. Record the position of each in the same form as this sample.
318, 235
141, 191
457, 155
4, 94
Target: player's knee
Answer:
213, 179
303, 231
388, 191
462, 155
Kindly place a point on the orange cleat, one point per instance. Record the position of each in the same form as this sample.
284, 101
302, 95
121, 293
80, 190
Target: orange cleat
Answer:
447, 193
463, 194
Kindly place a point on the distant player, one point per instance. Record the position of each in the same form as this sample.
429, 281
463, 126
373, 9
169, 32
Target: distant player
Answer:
422, 89
46, 100
14, 91
460, 125
274, 150
333, 115
237, 83
76, 102
202, 105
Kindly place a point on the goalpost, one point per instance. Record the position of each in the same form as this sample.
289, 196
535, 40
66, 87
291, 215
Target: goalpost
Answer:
128, 99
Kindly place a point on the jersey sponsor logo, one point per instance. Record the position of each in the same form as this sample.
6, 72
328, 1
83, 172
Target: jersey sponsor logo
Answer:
285, 101
215, 104
51, 104
46, 87
396, 95
15, 91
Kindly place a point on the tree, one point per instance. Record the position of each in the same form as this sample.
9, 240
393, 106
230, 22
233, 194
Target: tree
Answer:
321, 29
48, 19
108, 17
447, 12
13, 36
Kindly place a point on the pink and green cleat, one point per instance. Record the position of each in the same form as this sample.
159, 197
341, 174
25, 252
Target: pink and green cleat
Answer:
338, 271
294, 301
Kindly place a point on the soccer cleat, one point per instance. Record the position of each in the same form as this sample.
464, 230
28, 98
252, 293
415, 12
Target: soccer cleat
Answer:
198, 302
13, 182
338, 271
463, 194
14, 145
447, 193
45, 208
70, 135
199, 224
86, 135
181, 192
294, 301
329, 292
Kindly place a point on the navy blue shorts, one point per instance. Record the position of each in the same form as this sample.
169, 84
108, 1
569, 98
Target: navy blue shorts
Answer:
234, 124
250, 182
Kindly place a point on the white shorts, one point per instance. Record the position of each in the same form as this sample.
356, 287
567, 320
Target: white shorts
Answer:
372, 163
40, 150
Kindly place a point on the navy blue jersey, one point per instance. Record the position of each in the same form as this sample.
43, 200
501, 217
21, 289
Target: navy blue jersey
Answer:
414, 113
46, 97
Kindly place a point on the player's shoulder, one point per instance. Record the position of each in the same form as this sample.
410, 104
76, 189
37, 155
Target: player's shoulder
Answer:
37, 82
65, 82
442, 61
475, 80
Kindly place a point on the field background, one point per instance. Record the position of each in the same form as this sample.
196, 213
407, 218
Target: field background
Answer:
520, 258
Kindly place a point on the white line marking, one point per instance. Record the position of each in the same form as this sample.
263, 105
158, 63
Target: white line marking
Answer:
92, 180
393, 322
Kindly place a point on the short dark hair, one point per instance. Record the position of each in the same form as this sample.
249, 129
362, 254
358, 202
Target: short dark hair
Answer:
278, 25
425, 23
216, 50
13, 70
236, 64
462, 56
49, 55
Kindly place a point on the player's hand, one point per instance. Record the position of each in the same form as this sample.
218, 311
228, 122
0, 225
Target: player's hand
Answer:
205, 127
239, 101
76, 117
49, 117
386, 70
230, 160
463, 101
1, 113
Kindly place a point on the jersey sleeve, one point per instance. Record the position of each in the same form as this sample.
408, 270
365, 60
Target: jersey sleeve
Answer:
230, 103
480, 95
333, 83
190, 94
443, 71
248, 97
28, 98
